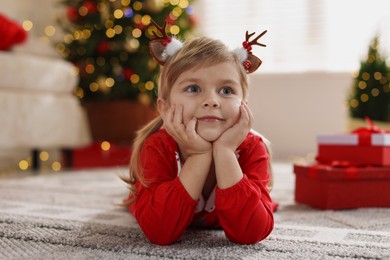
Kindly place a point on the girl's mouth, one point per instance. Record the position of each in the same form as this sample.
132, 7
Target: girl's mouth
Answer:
210, 119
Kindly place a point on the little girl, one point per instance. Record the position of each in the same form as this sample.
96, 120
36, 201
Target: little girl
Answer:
199, 164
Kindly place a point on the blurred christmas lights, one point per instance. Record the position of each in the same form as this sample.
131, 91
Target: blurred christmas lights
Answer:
119, 29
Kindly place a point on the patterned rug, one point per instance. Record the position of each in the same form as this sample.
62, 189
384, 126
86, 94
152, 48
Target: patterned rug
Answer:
72, 215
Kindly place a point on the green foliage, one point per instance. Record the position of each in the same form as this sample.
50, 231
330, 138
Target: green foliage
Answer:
108, 41
371, 90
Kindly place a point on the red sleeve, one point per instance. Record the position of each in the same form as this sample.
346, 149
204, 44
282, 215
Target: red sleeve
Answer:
164, 209
245, 209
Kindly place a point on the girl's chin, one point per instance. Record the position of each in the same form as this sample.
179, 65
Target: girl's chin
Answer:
209, 135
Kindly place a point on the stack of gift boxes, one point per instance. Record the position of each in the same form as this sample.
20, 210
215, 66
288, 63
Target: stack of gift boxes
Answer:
352, 170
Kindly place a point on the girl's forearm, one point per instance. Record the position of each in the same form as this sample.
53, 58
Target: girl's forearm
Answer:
227, 168
194, 173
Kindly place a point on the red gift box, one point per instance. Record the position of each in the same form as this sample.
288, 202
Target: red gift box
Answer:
327, 187
348, 148
364, 146
99, 154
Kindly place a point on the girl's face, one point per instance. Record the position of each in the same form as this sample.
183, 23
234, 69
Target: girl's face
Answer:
211, 94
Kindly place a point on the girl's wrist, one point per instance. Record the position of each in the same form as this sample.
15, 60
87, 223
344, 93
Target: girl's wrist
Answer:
221, 149
204, 154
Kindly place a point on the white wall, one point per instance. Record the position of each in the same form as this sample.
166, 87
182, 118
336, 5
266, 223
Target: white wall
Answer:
291, 109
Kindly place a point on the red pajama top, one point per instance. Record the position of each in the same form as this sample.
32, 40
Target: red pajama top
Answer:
164, 209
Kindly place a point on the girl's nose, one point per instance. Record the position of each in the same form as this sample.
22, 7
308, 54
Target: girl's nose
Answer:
210, 102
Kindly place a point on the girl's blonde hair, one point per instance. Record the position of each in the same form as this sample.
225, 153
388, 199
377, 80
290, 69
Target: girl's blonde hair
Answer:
196, 53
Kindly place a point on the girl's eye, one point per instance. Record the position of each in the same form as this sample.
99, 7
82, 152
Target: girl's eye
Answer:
226, 91
193, 88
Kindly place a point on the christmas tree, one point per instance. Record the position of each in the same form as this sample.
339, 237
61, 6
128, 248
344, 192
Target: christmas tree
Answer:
108, 41
371, 90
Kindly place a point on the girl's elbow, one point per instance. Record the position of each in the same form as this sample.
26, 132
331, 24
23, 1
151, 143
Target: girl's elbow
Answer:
252, 235
161, 240
246, 239
159, 235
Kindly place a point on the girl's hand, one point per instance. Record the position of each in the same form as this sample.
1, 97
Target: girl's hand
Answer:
235, 135
186, 137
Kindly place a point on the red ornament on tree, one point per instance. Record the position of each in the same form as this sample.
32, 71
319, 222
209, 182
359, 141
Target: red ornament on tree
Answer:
140, 26
72, 13
81, 69
91, 6
170, 19
103, 48
193, 20
127, 73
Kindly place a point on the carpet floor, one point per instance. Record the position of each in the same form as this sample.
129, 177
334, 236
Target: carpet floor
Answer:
72, 215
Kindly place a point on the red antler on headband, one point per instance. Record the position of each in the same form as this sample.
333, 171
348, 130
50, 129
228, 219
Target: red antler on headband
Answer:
248, 44
252, 63
164, 46
164, 39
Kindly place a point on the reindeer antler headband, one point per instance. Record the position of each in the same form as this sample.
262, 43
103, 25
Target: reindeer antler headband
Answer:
164, 46
250, 62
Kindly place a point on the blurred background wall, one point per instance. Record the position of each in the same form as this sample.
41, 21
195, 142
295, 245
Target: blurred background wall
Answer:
291, 105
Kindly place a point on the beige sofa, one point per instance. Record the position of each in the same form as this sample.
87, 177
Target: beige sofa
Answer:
37, 107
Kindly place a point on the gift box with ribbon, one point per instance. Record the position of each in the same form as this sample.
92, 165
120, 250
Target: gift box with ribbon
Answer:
364, 146
328, 187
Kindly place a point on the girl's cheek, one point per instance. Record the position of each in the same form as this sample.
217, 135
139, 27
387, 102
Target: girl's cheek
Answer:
238, 111
186, 117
